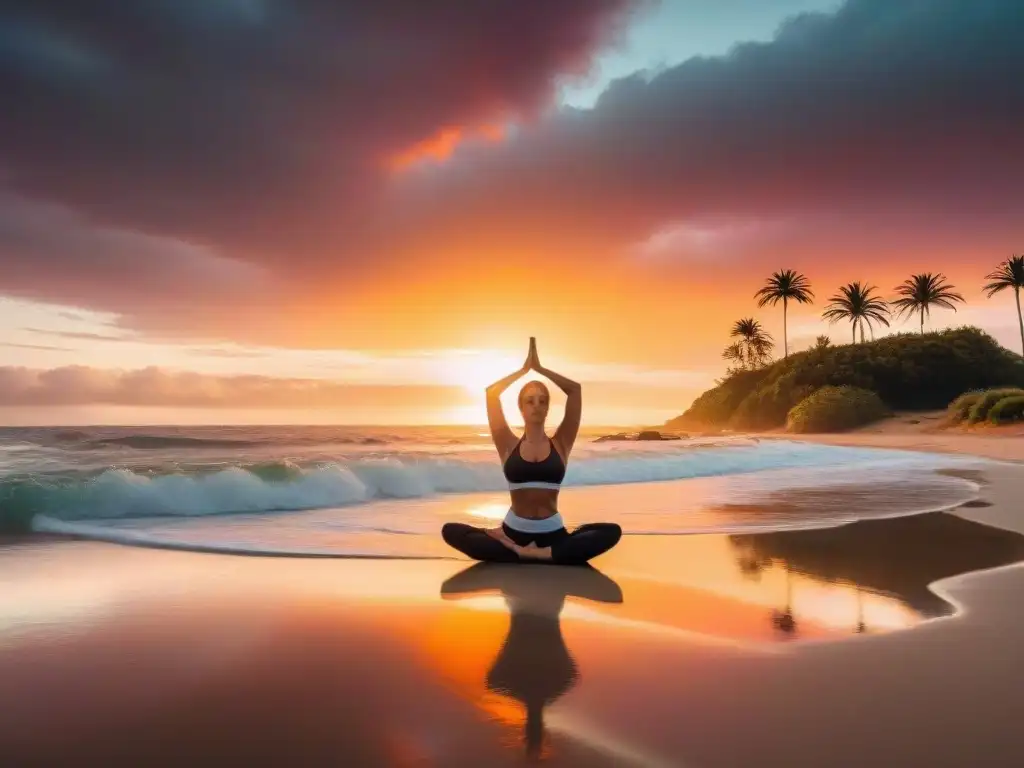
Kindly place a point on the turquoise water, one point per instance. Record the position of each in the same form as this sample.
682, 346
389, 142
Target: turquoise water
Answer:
322, 490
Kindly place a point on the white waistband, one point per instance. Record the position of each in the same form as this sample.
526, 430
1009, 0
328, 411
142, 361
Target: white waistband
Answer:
530, 525
535, 484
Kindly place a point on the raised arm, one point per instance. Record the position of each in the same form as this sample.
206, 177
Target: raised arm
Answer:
566, 433
503, 437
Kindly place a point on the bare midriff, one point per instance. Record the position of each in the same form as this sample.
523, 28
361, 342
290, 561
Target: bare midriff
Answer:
534, 503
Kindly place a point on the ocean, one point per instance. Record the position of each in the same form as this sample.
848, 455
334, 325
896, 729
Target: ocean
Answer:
385, 491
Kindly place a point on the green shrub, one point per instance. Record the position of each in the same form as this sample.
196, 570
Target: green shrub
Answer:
908, 372
960, 408
833, 409
979, 411
715, 406
1007, 410
767, 406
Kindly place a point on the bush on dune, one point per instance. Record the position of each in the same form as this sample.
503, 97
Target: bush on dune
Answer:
960, 408
907, 371
833, 409
987, 402
1008, 410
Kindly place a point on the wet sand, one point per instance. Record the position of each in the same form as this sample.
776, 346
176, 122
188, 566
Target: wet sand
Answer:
860, 645
923, 432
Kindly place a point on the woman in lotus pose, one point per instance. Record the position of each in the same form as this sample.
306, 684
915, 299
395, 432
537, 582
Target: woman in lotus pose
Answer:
534, 466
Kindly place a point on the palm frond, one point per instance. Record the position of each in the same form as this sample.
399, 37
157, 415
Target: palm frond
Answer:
920, 292
1009, 274
856, 302
785, 285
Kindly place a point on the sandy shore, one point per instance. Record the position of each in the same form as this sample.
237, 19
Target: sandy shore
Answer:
998, 447
865, 645
927, 431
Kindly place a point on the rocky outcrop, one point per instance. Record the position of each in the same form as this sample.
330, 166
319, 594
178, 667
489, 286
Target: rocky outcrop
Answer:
647, 434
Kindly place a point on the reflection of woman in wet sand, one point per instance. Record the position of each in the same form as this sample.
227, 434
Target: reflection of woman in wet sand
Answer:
533, 666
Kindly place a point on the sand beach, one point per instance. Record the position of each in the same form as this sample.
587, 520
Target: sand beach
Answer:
884, 642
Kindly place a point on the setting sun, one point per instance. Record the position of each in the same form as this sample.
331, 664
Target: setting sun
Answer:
475, 370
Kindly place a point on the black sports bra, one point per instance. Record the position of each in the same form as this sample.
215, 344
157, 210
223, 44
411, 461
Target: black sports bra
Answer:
521, 473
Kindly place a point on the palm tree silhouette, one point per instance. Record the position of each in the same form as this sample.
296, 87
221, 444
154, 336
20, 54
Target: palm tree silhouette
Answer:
1009, 274
920, 292
754, 346
783, 286
855, 303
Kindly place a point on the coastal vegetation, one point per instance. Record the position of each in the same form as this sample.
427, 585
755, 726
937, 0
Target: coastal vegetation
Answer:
1009, 274
832, 409
857, 304
908, 371
752, 348
785, 286
834, 387
997, 406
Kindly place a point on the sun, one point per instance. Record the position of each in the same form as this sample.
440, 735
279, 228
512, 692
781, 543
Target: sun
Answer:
475, 370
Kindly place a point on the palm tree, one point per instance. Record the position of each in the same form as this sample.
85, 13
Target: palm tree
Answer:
1009, 274
754, 346
855, 303
921, 291
783, 286
735, 353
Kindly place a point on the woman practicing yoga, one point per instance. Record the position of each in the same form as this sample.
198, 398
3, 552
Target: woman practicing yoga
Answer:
534, 466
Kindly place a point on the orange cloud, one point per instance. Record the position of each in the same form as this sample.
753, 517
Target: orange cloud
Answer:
441, 144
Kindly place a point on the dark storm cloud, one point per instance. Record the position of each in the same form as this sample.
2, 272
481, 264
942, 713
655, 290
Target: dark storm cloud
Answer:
194, 139
909, 108
262, 123
50, 252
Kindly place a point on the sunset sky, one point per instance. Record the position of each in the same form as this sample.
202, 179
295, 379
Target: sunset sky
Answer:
309, 211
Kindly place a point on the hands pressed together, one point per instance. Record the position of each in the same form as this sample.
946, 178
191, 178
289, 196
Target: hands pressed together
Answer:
532, 361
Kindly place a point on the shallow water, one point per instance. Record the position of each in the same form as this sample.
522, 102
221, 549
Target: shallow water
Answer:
385, 493
692, 648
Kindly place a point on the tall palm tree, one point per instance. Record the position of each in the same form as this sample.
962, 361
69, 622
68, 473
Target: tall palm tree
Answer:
855, 303
754, 346
1009, 274
920, 292
783, 286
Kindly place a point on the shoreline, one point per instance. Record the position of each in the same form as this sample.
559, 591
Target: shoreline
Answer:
700, 650
780, 507
1006, 448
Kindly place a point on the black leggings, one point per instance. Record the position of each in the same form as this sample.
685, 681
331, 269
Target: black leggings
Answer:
574, 548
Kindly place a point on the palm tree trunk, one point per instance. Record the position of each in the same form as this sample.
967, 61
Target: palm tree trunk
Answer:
862, 332
1020, 319
855, 320
922, 321
785, 336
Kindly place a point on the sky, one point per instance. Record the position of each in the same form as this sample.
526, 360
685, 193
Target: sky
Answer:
311, 211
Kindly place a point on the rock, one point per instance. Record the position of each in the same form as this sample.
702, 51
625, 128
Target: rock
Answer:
647, 434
